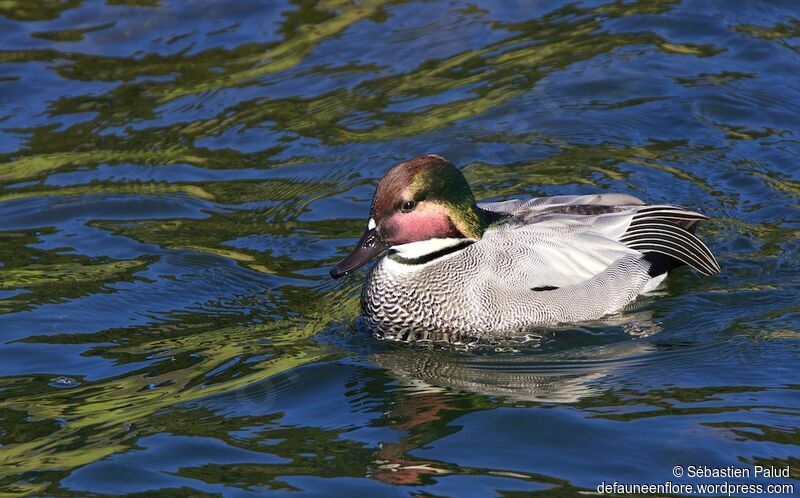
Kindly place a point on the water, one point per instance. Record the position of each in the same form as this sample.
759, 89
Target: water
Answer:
177, 178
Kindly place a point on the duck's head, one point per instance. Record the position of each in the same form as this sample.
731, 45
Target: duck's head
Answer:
421, 199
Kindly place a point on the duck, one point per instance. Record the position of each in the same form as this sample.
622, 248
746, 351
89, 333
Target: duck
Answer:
454, 270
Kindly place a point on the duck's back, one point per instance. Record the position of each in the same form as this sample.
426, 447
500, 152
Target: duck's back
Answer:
557, 241
595, 230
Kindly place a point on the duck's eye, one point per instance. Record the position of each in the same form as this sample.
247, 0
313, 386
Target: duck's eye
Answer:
408, 206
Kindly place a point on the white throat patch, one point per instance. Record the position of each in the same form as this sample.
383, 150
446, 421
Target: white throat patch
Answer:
412, 257
414, 250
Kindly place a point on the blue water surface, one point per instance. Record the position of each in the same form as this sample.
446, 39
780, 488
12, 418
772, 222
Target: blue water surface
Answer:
177, 178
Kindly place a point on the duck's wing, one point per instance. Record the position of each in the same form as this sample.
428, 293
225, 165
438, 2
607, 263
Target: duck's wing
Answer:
537, 250
566, 240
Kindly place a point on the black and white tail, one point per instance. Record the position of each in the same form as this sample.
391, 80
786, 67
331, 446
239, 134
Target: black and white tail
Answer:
669, 231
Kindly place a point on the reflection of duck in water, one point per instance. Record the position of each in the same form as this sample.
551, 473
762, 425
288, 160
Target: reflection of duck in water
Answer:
456, 270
